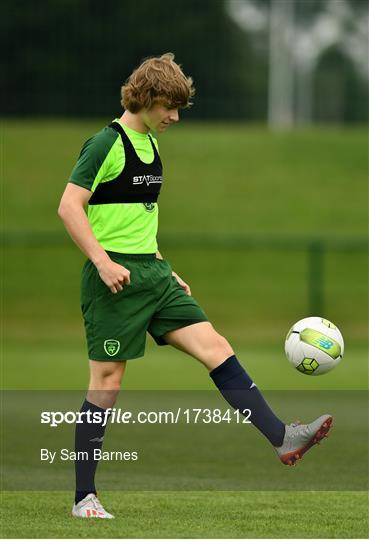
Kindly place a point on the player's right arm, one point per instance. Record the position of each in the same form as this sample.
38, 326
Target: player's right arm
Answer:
72, 212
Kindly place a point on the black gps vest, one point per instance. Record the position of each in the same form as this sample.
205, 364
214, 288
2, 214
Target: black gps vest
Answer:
138, 182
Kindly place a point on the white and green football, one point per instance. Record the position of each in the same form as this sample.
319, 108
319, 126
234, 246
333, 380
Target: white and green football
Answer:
314, 346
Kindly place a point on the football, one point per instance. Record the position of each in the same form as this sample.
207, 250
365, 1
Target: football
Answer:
314, 346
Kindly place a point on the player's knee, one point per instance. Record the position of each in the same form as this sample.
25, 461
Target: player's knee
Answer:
224, 347
103, 398
107, 376
219, 349
104, 388
108, 380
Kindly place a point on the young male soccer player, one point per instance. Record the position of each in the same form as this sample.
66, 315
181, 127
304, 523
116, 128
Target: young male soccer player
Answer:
128, 289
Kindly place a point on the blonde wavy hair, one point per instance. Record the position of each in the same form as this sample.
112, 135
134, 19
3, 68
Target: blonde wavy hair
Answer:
157, 80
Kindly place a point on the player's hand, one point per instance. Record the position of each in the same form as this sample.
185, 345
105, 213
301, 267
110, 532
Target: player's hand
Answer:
184, 285
114, 275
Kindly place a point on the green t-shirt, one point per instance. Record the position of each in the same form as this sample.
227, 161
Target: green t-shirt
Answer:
122, 227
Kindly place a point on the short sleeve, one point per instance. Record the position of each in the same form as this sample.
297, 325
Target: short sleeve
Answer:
93, 157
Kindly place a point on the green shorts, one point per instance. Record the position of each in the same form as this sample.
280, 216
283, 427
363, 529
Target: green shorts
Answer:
116, 324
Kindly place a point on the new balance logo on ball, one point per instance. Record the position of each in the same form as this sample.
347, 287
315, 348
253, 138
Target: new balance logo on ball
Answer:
149, 179
325, 343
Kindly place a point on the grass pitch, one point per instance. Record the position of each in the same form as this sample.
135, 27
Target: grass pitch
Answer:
191, 515
218, 179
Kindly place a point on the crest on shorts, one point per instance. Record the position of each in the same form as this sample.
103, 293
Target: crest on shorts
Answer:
111, 346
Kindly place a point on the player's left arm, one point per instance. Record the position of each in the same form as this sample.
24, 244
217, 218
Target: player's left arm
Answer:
180, 281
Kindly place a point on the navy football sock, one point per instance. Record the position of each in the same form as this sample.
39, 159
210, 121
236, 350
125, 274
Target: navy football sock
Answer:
88, 437
241, 393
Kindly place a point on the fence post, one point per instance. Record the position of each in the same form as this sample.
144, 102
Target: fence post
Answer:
316, 278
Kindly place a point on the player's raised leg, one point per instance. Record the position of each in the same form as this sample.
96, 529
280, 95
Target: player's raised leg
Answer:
203, 343
105, 381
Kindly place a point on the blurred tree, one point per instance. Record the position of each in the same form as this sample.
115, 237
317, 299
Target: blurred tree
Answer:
71, 57
298, 34
338, 91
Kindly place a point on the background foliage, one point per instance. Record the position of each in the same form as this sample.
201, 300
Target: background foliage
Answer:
70, 58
